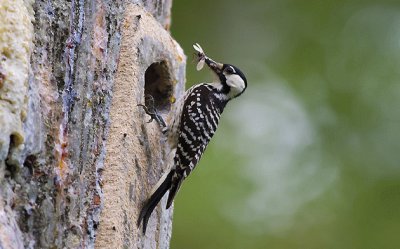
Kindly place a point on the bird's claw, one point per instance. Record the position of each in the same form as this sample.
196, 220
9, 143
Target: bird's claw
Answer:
150, 110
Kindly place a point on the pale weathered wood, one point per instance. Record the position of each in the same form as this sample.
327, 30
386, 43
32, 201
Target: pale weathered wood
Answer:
77, 158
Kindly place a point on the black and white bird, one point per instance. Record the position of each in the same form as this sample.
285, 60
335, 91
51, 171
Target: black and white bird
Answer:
195, 121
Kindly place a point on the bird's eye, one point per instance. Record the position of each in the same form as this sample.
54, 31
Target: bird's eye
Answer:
229, 70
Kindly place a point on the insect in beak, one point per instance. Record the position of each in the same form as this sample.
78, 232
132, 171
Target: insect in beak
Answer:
203, 59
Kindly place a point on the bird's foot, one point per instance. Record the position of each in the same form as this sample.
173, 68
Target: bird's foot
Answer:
149, 109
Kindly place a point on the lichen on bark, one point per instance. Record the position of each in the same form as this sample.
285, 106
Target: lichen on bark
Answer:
16, 32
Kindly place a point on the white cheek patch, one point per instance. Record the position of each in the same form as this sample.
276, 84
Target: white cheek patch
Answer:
235, 82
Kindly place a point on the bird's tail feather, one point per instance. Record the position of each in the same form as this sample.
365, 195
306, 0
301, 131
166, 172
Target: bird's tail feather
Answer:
161, 188
172, 192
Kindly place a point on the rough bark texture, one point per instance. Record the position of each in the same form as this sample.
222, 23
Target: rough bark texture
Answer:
77, 158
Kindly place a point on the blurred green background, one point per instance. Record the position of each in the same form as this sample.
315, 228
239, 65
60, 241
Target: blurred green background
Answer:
309, 156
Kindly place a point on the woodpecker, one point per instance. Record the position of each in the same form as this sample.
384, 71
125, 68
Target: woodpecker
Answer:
188, 131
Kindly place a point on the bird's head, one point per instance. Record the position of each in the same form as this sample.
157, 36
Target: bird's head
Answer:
232, 80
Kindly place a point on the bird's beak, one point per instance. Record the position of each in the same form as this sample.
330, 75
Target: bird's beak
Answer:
215, 66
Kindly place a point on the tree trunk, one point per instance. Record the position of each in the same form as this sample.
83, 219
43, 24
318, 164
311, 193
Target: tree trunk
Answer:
77, 158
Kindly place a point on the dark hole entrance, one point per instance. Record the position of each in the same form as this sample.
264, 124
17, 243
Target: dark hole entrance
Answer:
12, 166
158, 84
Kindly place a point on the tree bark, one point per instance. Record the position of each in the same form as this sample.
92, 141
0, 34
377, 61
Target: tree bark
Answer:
77, 158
